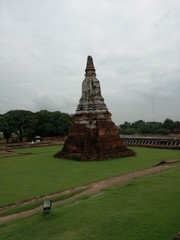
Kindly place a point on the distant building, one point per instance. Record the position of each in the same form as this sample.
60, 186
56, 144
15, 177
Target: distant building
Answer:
37, 139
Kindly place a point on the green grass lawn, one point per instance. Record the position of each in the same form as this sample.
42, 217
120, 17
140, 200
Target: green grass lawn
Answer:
147, 208
28, 176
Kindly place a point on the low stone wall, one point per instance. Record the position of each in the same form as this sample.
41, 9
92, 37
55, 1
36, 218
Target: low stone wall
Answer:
169, 143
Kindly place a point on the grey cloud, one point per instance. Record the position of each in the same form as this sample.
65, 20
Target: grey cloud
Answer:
134, 43
54, 103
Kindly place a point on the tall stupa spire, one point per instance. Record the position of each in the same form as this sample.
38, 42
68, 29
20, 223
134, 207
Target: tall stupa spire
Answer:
91, 98
93, 134
90, 69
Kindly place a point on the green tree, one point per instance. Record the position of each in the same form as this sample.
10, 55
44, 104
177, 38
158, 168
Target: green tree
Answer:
5, 129
43, 118
177, 124
150, 128
52, 123
20, 122
163, 131
169, 124
125, 125
62, 122
143, 127
139, 125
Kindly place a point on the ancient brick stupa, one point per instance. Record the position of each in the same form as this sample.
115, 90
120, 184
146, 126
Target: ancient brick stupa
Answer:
93, 134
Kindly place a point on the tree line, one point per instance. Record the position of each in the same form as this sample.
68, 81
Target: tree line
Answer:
26, 124
142, 127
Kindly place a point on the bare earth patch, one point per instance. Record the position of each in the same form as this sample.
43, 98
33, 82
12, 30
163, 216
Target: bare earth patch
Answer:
11, 153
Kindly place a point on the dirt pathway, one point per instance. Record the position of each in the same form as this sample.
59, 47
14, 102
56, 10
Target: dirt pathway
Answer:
94, 188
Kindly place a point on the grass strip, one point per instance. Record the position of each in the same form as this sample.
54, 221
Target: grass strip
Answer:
29, 206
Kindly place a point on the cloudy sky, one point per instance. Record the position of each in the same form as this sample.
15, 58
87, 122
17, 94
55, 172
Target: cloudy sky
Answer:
135, 45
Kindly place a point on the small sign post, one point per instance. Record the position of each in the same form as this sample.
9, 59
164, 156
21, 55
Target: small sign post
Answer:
47, 204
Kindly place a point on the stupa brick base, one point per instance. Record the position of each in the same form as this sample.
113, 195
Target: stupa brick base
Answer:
93, 134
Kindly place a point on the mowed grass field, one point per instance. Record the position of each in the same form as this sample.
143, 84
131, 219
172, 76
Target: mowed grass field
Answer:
147, 208
29, 176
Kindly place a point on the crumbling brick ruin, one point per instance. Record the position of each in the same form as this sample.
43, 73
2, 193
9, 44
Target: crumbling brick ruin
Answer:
93, 134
